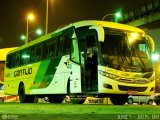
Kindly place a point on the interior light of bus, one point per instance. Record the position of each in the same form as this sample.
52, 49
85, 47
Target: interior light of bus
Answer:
25, 56
132, 37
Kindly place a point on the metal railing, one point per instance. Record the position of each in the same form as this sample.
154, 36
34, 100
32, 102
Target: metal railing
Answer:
143, 11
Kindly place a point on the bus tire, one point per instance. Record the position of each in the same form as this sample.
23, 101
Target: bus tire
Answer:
24, 98
130, 101
150, 102
21, 93
68, 87
157, 103
118, 99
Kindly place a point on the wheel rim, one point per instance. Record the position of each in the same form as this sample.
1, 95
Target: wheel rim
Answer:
150, 102
130, 101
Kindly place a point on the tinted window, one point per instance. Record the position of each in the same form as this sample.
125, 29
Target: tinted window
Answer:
1, 86
50, 49
9, 61
16, 59
36, 53
25, 56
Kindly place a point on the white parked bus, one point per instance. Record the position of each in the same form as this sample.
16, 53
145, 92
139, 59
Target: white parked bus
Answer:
86, 58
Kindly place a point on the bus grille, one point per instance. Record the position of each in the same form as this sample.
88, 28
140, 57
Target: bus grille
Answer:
133, 81
126, 88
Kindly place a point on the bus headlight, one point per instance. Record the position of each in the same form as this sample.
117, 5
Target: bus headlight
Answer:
151, 79
131, 69
109, 75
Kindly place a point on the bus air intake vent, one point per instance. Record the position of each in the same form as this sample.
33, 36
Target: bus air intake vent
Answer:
133, 81
127, 88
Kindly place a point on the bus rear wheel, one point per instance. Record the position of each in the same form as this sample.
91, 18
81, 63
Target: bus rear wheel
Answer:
118, 99
24, 98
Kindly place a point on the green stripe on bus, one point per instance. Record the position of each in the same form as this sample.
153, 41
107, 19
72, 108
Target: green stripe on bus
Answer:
46, 73
40, 73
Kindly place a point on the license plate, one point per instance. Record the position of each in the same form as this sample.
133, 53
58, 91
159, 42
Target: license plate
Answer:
131, 92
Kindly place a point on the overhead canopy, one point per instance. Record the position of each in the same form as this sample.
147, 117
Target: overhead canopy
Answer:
4, 51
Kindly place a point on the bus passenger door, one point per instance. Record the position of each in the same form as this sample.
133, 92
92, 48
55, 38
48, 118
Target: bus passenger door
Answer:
75, 67
89, 62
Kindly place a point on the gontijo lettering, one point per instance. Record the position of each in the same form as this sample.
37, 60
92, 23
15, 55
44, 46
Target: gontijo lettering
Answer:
22, 72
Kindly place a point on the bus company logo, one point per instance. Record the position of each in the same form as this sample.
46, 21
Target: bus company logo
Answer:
9, 117
67, 63
4, 116
125, 74
134, 81
22, 72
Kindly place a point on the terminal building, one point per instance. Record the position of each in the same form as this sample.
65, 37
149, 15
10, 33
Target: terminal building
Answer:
3, 53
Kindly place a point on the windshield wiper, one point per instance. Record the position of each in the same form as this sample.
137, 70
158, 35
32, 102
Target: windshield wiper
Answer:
124, 54
143, 64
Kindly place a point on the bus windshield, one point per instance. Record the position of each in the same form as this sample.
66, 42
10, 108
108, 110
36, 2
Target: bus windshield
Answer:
126, 51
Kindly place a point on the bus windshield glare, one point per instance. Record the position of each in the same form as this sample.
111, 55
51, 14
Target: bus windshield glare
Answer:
126, 51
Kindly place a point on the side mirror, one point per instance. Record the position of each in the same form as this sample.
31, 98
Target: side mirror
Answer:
151, 43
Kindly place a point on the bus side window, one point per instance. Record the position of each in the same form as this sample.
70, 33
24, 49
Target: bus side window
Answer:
38, 53
51, 49
9, 61
33, 55
25, 57
57, 46
17, 59
67, 45
61, 45
45, 51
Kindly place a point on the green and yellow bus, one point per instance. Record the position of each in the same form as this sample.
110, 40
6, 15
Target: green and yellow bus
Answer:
86, 58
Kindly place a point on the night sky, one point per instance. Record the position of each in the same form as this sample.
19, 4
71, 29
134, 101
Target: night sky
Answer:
61, 12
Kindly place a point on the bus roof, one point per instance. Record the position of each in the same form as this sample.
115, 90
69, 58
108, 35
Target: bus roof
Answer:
107, 24
4, 51
85, 23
